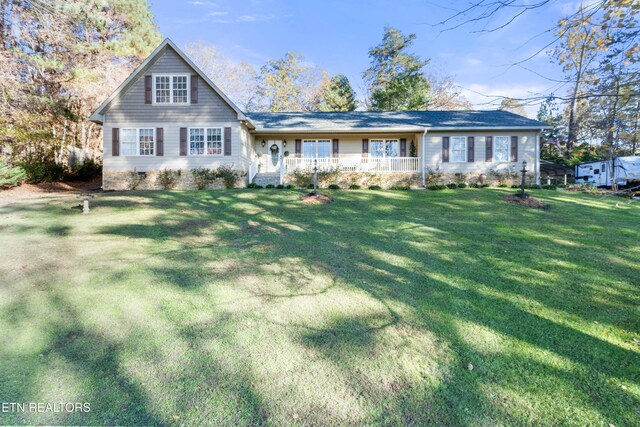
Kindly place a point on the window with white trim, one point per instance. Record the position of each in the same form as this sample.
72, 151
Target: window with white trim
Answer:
458, 148
137, 142
171, 89
383, 148
316, 148
501, 148
205, 141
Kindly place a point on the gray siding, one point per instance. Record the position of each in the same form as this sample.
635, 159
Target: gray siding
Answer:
130, 106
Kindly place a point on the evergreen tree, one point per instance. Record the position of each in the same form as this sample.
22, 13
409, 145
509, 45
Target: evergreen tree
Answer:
338, 95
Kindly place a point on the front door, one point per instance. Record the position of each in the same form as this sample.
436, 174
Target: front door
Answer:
273, 157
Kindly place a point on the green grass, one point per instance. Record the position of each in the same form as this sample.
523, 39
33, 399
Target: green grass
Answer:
249, 308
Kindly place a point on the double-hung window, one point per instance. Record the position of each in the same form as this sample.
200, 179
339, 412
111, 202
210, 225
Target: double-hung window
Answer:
383, 148
458, 148
137, 142
205, 141
171, 89
501, 148
320, 148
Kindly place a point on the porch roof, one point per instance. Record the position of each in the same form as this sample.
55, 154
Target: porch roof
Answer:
359, 121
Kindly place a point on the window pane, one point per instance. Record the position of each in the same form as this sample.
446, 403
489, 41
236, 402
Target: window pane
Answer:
180, 89
309, 148
128, 142
214, 141
163, 89
458, 149
146, 142
501, 149
196, 141
376, 148
391, 149
324, 148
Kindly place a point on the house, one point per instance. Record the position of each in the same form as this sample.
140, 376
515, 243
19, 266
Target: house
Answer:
169, 115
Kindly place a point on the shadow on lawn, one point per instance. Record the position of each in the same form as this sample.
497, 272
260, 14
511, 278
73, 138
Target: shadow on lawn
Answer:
428, 264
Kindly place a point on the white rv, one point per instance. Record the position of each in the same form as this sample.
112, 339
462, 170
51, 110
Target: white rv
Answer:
622, 171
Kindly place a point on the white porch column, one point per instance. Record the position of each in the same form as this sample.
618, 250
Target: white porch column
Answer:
536, 167
282, 169
422, 159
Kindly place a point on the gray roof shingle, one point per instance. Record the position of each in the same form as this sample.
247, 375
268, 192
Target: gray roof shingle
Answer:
333, 121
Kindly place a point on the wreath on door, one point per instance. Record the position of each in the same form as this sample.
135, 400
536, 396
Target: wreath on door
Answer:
274, 149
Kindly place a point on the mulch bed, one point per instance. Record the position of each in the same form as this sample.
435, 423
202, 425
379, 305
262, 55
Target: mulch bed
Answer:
315, 198
47, 189
530, 202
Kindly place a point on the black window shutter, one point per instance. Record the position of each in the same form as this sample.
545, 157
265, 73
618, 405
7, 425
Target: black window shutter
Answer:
514, 148
489, 149
403, 147
159, 142
227, 141
115, 141
471, 149
445, 149
183, 141
365, 147
298, 147
194, 89
335, 147
147, 90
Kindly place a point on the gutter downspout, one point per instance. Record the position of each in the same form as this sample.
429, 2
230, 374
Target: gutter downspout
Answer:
422, 159
537, 158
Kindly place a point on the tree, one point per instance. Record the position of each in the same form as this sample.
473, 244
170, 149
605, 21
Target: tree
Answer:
238, 80
287, 84
395, 79
337, 94
514, 106
445, 95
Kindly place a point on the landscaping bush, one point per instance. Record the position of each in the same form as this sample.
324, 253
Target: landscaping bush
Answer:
280, 187
452, 186
203, 177
270, 186
400, 188
354, 187
549, 187
134, 179
462, 185
534, 187
503, 185
85, 171
302, 179
229, 175
168, 178
310, 186
42, 170
460, 178
484, 186
375, 187
11, 176
473, 185
254, 185
334, 187
290, 187
433, 176
515, 186
436, 187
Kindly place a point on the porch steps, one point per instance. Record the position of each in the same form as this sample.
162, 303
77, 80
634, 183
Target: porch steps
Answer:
267, 178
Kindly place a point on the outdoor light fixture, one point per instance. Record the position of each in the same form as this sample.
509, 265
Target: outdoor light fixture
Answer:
264, 143
284, 143
524, 172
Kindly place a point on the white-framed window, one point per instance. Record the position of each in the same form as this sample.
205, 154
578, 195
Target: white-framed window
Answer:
383, 148
137, 142
458, 148
170, 88
501, 148
205, 141
316, 148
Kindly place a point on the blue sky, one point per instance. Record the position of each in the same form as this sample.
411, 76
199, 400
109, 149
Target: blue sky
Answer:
336, 35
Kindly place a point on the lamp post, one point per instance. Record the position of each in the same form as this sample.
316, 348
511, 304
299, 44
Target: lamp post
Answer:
524, 172
315, 176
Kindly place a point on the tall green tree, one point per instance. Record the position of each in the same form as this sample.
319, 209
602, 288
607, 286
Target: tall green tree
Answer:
337, 95
395, 78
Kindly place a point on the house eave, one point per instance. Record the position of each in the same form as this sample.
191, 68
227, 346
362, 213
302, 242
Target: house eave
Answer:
348, 130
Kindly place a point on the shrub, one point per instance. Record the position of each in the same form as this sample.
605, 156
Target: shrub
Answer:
310, 186
290, 187
375, 187
354, 187
11, 176
460, 178
334, 187
473, 185
302, 178
503, 185
549, 187
534, 187
254, 185
202, 177
400, 188
229, 175
436, 187
168, 178
462, 185
515, 186
484, 186
280, 186
39, 170
433, 176
134, 179
270, 186
85, 171
452, 186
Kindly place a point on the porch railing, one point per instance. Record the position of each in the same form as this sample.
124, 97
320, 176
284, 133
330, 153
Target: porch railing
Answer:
355, 164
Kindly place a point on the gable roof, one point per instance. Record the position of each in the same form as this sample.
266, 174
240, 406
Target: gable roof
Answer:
98, 115
392, 120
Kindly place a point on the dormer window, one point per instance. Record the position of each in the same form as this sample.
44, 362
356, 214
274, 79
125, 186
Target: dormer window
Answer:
171, 88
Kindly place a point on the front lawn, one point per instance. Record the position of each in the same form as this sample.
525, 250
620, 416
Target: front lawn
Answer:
246, 307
